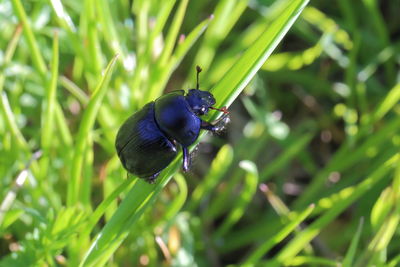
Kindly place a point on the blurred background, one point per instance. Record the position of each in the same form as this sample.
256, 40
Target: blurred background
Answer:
306, 174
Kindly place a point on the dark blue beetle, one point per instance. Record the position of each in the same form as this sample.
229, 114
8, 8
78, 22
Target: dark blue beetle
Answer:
147, 141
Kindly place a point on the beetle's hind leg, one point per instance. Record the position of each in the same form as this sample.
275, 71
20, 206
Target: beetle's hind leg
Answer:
186, 159
152, 179
217, 126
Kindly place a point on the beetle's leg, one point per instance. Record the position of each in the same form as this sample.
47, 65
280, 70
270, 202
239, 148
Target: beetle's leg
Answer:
152, 179
186, 159
216, 126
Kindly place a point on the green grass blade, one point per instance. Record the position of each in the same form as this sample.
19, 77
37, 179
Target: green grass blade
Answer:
49, 102
312, 261
4, 102
62, 16
86, 126
9, 52
226, 14
235, 80
244, 198
256, 255
218, 168
173, 33
179, 199
161, 75
37, 57
392, 98
351, 252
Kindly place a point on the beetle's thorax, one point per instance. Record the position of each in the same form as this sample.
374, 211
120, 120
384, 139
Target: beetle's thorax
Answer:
175, 118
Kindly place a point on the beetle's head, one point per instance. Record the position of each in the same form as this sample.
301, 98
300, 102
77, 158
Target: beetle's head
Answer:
200, 101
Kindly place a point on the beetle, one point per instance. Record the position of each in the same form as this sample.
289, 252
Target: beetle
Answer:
149, 140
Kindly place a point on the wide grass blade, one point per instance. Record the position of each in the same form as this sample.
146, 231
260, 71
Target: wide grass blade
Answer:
235, 80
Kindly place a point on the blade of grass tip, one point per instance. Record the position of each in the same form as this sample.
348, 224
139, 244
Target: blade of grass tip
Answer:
351, 252
163, 60
30, 37
9, 53
95, 59
85, 127
109, 32
159, 82
62, 16
256, 255
391, 99
226, 14
304, 237
244, 198
187, 43
160, 22
235, 80
49, 101
381, 209
312, 261
4, 103
173, 33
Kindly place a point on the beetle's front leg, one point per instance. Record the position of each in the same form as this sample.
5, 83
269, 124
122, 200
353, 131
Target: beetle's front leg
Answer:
186, 159
217, 126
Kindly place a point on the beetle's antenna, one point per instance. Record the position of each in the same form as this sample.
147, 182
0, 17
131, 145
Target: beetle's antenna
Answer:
198, 69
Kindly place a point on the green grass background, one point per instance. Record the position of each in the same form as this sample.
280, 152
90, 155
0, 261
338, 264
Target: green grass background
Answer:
307, 173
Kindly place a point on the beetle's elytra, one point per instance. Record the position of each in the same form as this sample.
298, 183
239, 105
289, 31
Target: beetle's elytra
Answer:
148, 140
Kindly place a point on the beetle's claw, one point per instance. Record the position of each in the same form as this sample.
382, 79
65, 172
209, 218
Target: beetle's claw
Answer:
152, 179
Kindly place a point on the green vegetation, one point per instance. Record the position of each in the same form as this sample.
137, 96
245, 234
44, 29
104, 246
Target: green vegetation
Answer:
307, 174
